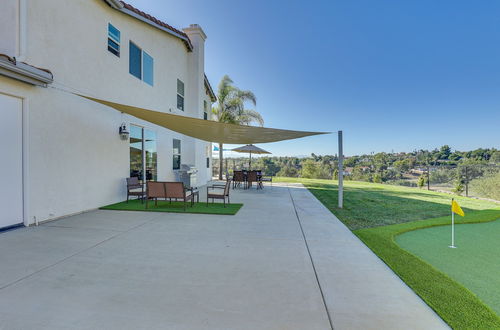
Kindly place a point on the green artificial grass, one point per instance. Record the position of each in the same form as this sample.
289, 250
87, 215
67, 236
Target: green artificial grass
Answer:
371, 204
475, 262
377, 213
458, 306
176, 207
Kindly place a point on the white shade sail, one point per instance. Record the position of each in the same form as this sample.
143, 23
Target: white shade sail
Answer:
207, 130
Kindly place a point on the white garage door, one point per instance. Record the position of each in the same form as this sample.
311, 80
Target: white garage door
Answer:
11, 161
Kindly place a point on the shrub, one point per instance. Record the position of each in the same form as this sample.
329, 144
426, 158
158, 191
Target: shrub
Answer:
459, 187
421, 182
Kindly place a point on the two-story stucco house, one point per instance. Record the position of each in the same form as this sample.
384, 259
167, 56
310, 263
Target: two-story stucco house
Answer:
62, 154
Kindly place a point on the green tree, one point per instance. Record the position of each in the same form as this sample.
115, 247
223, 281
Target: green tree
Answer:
377, 178
380, 161
495, 157
309, 169
445, 152
288, 171
403, 165
230, 108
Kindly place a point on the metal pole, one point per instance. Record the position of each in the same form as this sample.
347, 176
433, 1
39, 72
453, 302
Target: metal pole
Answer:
428, 177
466, 182
452, 228
341, 172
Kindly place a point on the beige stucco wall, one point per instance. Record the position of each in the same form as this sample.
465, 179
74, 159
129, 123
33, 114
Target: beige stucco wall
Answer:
9, 27
75, 160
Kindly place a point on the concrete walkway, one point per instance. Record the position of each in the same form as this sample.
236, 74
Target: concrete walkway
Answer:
283, 262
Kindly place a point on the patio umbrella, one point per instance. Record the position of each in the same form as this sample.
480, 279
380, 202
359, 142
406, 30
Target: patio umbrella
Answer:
251, 149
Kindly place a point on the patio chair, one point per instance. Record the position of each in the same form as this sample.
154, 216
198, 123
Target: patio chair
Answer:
220, 194
265, 179
132, 185
176, 190
253, 177
238, 178
228, 176
155, 190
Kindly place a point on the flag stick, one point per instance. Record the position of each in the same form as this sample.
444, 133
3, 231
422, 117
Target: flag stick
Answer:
452, 228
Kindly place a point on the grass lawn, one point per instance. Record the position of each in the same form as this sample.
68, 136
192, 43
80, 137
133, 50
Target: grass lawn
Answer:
176, 207
378, 213
472, 263
371, 205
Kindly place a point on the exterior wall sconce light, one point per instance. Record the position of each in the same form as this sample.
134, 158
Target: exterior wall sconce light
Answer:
123, 132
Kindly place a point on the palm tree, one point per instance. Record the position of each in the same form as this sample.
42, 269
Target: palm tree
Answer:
230, 108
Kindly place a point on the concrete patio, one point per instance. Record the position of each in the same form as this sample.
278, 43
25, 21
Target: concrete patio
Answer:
283, 262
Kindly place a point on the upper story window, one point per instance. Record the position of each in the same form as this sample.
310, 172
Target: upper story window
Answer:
141, 64
147, 68
180, 95
205, 110
113, 40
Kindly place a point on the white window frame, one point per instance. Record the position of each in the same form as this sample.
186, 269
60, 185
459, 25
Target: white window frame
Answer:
142, 63
177, 154
181, 95
115, 41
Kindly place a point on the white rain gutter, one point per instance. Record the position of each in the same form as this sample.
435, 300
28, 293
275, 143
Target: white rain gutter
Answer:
25, 73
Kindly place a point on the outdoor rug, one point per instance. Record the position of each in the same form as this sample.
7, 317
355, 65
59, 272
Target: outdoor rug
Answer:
175, 207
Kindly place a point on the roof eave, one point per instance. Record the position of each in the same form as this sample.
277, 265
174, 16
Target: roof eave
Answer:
25, 73
116, 4
133, 14
213, 98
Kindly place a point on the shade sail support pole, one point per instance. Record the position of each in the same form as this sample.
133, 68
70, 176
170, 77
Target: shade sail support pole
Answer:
341, 171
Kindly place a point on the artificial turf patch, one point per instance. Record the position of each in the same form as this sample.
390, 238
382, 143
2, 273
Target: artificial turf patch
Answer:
457, 305
175, 207
475, 263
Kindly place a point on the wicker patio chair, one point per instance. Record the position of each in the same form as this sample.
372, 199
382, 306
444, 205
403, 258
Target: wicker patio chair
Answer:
253, 177
220, 194
176, 191
155, 190
133, 185
228, 176
238, 179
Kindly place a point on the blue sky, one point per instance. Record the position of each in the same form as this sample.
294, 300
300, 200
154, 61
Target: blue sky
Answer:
393, 75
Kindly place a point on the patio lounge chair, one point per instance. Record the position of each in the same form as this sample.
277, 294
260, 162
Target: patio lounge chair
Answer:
133, 185
155, 190
176, 190
220, 194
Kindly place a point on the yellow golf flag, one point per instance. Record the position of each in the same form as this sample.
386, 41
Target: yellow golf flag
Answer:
455, 208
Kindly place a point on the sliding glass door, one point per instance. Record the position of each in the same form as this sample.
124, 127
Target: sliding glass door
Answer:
143, 153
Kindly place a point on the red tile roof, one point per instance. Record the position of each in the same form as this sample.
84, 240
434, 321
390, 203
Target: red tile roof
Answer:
153, 19
210, 90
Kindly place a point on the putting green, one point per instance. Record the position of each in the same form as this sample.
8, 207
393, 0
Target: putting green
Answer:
176, 207
475, 263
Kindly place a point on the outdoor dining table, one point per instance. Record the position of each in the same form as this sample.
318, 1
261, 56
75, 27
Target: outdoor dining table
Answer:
245, 179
